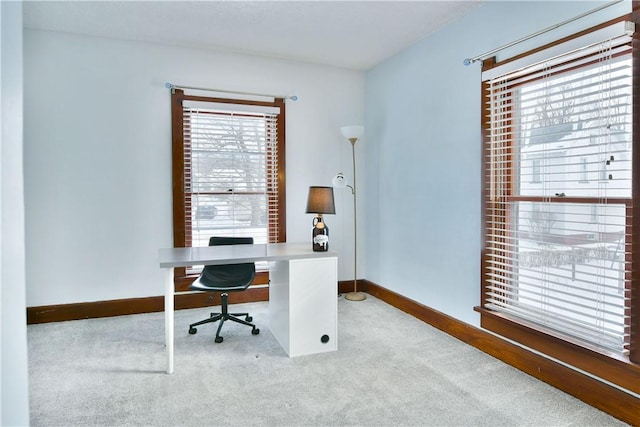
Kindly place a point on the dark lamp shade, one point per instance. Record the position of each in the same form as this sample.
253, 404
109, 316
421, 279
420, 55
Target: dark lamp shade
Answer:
320, 200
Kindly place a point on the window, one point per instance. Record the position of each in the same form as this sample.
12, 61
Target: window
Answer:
557, 259
228, 163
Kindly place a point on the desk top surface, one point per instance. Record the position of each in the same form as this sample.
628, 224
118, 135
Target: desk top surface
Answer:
237, 254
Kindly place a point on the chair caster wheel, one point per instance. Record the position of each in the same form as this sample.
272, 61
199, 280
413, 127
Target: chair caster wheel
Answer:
192, 331
255, 331
219, 340
249, 319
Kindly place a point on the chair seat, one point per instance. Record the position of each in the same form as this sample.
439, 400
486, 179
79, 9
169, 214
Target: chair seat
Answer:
199, 286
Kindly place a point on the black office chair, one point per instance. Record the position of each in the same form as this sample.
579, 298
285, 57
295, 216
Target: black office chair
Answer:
226, 278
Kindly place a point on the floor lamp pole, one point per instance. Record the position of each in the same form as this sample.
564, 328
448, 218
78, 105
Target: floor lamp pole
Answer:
355, 295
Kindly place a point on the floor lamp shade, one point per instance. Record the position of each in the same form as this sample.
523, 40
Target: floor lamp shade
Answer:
352, 132
319, 202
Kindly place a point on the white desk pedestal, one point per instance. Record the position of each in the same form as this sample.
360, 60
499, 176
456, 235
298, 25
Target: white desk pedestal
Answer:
303, 304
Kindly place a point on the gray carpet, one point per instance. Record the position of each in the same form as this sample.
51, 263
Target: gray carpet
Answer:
390, 370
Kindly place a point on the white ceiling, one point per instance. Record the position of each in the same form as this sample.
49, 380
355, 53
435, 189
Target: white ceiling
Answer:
350, 34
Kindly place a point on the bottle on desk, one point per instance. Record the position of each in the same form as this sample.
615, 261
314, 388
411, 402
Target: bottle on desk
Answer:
320, 235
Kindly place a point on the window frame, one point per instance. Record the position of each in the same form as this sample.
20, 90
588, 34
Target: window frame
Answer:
182, 279
620, 370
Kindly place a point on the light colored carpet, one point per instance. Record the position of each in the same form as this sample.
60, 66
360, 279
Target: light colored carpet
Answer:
390, 370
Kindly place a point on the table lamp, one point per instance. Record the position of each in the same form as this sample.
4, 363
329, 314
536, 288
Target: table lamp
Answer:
319, 202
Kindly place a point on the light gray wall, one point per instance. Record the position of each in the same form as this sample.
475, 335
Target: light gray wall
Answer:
423, 151
14, 390
98, 155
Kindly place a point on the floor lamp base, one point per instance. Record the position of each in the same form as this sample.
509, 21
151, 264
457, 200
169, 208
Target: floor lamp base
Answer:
355, 296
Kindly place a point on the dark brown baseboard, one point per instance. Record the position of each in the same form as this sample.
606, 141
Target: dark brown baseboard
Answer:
90, 310
121, 307
598, 394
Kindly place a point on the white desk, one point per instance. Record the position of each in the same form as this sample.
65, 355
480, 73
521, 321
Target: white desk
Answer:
303, 291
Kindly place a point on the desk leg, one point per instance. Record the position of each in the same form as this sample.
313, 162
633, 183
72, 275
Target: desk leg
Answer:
168, 316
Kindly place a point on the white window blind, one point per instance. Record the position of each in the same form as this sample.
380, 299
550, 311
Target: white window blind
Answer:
558, 179
230, 172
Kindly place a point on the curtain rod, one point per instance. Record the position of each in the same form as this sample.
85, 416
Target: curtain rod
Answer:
469, 61
172, 86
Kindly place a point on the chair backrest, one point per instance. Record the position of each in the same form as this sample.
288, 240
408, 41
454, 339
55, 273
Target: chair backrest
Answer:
220, 240
228, 276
